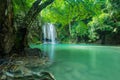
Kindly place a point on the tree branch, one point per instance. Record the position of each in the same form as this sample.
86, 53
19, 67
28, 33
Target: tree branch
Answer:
34, 11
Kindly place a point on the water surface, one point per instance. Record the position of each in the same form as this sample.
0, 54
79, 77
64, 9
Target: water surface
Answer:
83, 62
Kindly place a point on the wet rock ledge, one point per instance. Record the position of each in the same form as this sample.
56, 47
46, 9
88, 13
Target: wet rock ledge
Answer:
30, 67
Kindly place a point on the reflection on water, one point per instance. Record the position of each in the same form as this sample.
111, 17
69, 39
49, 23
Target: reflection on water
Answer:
93, 58
77, 62
48, 49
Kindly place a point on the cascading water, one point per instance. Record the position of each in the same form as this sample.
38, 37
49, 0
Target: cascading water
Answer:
49, 34
49, 39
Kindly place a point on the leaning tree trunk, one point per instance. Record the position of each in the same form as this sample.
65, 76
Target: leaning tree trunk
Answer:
11, 41
22, 33
6, 26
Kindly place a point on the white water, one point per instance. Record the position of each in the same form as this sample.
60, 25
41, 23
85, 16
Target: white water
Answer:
49, 34
49, 39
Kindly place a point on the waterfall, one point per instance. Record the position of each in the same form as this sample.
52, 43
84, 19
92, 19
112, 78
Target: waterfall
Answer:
49, 39
49, 34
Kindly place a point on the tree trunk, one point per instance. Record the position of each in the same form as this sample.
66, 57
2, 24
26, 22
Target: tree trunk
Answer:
103, 37
6, 26
22, 33
11, 41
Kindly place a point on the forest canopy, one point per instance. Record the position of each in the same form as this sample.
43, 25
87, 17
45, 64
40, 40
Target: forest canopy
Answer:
75, 20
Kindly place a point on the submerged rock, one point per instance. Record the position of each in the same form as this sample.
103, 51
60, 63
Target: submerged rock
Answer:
18, 75
14, 74
47, 76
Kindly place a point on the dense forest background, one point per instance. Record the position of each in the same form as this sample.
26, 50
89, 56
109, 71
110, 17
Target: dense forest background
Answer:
86, 21
76, 21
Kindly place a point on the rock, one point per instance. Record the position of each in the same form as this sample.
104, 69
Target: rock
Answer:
3, 77
33, 52
18, 75
14, 74
47, 76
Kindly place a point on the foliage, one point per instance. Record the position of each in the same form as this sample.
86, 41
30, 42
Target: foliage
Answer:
75, 15
78, 19
79, 29
26, 11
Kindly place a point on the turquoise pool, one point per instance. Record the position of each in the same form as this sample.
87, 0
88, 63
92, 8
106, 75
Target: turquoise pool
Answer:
83, 62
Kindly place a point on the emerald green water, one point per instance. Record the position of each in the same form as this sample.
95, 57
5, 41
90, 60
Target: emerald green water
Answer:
83, 62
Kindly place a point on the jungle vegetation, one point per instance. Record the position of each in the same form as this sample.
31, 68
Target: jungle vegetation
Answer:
86, 21
76, 21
